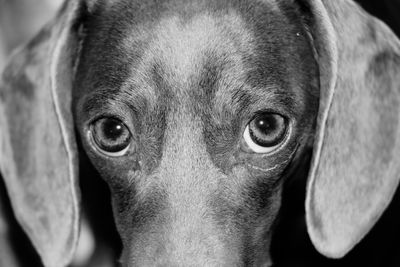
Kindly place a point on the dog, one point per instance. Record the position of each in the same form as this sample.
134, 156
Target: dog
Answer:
195, 113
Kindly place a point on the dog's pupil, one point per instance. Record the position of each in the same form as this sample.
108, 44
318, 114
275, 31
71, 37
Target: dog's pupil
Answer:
266, 124
112, 129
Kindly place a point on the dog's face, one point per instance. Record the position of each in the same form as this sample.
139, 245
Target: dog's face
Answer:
194, 115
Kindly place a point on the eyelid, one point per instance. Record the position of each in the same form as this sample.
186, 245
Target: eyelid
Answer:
285, 111
91, 110
270, 111
106, 115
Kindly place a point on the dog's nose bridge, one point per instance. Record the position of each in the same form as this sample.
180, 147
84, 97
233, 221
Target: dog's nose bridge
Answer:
185, 150
186, 169
191, 180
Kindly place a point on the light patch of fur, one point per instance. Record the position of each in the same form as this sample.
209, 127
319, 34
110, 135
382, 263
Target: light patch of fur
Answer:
182, 46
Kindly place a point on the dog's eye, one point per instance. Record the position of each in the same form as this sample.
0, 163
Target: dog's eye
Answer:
265, 132
111, 136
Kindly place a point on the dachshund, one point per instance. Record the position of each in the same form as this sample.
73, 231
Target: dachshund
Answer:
195, 113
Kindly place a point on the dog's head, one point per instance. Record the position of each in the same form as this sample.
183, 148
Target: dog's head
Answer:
195, 113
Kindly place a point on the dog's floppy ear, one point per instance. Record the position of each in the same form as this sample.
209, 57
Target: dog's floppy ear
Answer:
356, 161
38, 158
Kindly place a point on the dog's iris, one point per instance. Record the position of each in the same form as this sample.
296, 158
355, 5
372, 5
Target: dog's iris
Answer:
268, 129
265, 132
111, 136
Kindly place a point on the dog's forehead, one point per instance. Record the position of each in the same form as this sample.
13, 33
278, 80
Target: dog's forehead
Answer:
182, 48
218, 47
204, 53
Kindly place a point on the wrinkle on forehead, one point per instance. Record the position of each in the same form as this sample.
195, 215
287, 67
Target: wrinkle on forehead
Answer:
182, 47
